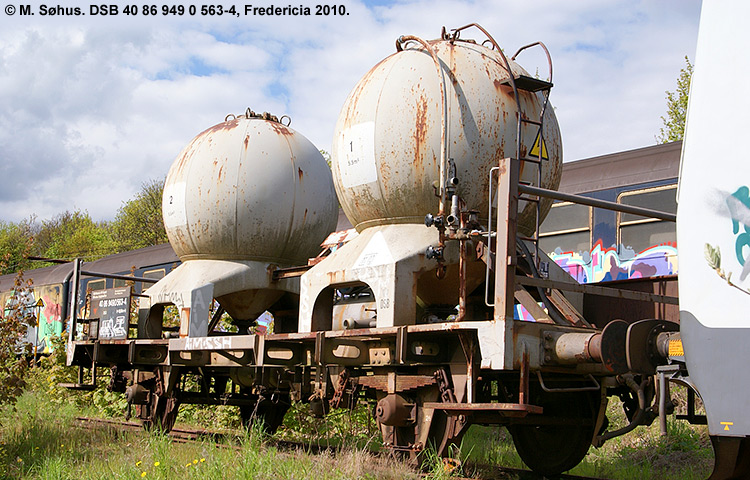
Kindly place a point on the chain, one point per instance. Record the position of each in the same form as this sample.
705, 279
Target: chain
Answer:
445, 385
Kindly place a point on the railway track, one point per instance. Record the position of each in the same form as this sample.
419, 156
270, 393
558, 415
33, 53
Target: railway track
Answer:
224, 440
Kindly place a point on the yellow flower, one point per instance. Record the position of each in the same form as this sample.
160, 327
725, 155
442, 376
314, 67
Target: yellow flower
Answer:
143, 474
188, 465
138, 463
195, 461
156, 464
203, 460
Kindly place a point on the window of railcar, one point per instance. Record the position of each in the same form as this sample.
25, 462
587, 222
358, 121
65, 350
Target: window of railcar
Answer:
640, 233
97, 285
120, 283
157, 274
567, 227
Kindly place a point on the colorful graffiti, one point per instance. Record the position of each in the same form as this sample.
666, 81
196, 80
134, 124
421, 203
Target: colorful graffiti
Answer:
604, 264
48, 314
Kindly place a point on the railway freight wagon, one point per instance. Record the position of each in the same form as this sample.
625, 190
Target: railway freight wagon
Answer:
446, 159
574, 234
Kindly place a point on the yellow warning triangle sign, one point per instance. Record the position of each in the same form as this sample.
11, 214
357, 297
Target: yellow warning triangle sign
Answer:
534, 152
39, 303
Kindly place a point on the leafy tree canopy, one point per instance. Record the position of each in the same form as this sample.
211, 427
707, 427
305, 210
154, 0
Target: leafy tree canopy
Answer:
139, 221
72, 234
677, 102
75, 234
14, 238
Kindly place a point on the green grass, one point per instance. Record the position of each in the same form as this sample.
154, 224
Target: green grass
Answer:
42, 443
38, 440
684, 454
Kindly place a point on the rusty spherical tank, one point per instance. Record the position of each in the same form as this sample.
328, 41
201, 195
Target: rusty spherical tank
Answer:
249, 189
387, 142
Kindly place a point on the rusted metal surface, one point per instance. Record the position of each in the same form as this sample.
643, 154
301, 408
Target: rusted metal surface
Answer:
290, 272
523, 387
395, 411
462, 260
339, 238
600, 310
510, 409
249, 189
505, 248
403, 383
387, 145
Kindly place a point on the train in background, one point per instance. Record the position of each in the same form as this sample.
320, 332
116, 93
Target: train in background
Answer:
595, 245
48, 297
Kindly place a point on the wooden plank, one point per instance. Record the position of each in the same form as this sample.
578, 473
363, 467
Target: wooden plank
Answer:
568, 311
530, 304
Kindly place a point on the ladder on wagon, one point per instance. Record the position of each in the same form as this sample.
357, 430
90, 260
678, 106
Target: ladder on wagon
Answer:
538, 151
535, 155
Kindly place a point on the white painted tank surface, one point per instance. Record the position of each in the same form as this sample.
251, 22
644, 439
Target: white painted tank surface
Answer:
249, 189
387, 142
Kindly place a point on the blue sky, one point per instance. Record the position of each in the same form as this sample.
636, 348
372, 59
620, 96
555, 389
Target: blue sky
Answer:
92, 107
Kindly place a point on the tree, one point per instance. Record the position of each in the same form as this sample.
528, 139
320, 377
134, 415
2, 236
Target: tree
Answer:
72, 234
139, 221
326, 157
14, 239
16, 315
677, 102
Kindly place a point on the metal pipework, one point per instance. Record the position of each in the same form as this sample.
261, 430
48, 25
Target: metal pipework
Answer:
452, 219
73, 322
350, 323
403, 39
593, 202
607, 347
641, 416
572, 348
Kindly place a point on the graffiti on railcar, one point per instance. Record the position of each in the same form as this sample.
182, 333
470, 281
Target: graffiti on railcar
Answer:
50, 322
45, 304
604, 264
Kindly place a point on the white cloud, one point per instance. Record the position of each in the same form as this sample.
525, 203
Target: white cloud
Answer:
92, 107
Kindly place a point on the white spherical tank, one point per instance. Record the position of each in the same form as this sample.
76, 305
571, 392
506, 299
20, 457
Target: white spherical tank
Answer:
387, 143
249, 189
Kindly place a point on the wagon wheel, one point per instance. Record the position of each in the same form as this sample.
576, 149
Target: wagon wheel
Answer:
444, 430
161, 410
268, 411
557, 447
